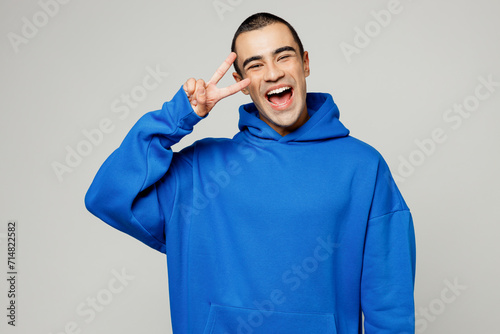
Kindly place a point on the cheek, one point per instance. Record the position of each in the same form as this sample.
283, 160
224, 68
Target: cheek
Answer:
298, 72
254, 91
254, 86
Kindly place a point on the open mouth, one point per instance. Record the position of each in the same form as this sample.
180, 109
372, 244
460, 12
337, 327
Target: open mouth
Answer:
280, 97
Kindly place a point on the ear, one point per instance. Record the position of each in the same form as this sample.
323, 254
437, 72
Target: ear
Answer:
305, 60
238, 78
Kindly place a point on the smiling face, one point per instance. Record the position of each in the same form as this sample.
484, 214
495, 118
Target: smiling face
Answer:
270, 57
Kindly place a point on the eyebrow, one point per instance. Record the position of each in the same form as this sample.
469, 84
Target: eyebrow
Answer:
259, 57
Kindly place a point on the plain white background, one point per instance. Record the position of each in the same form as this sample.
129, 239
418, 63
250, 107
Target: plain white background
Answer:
65, 73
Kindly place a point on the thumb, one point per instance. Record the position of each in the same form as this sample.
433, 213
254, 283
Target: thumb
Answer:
201, 95
201, 100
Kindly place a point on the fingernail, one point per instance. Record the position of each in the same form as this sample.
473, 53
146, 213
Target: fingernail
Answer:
194, 103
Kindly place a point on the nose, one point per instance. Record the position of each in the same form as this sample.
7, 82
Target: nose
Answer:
273, 72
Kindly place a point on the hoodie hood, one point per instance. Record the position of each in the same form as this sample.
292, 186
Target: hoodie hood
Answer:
323, 123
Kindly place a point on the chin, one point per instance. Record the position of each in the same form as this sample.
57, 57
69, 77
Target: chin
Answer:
285, 123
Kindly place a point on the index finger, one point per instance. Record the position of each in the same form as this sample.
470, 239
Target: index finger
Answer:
222, 69
234, 88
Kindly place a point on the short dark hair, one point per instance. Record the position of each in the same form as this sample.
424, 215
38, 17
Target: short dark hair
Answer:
259, 21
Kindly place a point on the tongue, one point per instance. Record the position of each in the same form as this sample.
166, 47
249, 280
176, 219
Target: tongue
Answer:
281, 97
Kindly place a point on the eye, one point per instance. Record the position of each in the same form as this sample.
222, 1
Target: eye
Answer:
283, 57
253, 66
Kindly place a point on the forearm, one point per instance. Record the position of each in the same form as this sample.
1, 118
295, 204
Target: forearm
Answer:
127, 181
388, 274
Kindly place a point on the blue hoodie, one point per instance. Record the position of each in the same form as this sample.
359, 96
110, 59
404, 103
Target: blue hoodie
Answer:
264, 233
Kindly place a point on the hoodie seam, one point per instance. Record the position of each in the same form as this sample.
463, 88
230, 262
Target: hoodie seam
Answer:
141, 190
389, 213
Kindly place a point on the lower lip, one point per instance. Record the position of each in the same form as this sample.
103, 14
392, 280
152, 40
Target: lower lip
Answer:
280, 107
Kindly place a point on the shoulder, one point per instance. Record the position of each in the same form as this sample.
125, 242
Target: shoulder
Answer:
211, 143
208, 144
360, 150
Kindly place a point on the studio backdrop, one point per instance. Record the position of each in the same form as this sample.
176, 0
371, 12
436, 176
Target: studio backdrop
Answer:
419, 80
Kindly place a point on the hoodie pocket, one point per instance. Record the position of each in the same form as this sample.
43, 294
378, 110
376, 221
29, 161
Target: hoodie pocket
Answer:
237, 320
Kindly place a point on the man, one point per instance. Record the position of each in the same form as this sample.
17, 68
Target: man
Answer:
292, 226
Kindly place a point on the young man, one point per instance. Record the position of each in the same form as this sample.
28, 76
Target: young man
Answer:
292, 226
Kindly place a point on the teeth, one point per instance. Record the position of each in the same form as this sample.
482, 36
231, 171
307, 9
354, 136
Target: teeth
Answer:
278, 90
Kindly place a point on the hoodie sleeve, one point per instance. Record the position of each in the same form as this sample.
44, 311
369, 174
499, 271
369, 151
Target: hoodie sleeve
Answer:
388, 275
125, 191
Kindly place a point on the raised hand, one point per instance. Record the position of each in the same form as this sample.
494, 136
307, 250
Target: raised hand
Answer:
203, 96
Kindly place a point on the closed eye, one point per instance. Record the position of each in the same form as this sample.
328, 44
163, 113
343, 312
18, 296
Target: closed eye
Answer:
253, 66
285, 56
